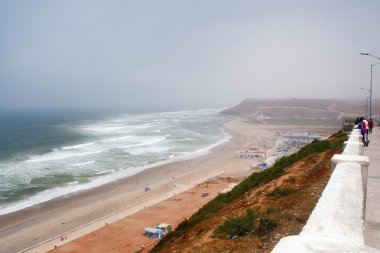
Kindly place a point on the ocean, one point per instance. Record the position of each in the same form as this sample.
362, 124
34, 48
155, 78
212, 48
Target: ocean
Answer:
48, 155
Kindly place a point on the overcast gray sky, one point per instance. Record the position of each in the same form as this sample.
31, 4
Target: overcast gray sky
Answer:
179, 54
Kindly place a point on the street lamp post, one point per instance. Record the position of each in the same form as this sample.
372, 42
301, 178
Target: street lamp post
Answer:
368, 105
370, 87
367, 101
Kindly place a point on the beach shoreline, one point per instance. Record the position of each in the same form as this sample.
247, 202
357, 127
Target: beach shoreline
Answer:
33, 225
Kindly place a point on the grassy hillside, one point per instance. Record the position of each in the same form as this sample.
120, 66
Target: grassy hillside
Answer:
234, 214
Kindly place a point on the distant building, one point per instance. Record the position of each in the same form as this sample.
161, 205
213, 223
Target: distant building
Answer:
348, 119
299, 139
252, 153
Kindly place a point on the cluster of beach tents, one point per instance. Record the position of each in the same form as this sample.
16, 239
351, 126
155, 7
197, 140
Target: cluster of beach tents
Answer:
158, 231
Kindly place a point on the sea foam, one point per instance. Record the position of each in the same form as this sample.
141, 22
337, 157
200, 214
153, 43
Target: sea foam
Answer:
109, 149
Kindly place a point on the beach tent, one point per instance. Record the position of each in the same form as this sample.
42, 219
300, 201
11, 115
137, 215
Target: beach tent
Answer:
154, 232
165, 227
263, 166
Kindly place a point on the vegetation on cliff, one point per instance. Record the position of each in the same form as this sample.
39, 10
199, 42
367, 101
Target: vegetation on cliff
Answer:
253, 221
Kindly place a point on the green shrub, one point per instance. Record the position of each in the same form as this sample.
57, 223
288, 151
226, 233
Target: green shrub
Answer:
265, 226
280, 192
199, 232
238, 225
251, 222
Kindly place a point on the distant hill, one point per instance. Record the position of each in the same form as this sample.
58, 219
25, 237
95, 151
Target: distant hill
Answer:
299, 109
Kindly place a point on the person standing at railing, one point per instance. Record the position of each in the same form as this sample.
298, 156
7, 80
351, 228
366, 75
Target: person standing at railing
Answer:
357, 121
366, 130
363, 129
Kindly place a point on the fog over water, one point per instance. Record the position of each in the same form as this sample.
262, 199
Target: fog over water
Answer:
183, 54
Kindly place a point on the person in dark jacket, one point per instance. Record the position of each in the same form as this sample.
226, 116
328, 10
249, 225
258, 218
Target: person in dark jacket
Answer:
357, 121
370, 125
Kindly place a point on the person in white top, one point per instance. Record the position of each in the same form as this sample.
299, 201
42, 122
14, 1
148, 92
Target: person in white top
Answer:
367, 129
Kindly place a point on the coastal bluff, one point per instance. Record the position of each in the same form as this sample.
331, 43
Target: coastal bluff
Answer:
281, 199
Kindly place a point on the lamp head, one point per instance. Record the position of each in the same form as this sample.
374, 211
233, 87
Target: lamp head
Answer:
364, 53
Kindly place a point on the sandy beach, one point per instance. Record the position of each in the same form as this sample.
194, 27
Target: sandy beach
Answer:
33, 225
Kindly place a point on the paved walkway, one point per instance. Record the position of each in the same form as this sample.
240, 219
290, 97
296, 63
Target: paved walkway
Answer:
372, 214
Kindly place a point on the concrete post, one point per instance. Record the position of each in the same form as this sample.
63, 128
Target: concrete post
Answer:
364, 163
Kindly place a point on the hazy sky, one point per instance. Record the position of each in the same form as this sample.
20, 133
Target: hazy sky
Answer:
184, 54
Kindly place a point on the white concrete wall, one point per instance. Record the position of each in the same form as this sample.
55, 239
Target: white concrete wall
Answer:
336, 223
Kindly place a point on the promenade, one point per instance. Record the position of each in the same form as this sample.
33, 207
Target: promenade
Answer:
372, 214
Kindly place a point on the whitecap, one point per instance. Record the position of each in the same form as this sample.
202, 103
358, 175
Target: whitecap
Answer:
60, 156
78, 146
104, 172
82, 163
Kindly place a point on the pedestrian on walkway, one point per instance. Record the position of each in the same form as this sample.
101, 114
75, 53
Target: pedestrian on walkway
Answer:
370, 125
